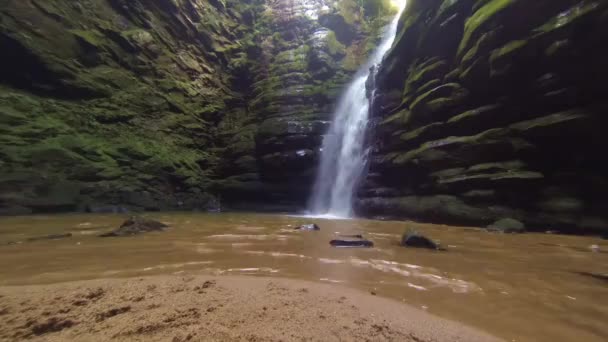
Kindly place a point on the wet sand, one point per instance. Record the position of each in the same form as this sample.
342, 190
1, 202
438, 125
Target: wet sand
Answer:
215, 308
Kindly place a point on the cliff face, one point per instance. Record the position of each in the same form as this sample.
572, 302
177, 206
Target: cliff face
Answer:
304, 53
112, 104
494, 109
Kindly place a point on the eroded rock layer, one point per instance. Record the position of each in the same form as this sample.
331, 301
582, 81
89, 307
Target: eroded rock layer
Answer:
115, 105
494, 109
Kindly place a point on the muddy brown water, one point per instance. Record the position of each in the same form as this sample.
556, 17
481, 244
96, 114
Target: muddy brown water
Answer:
532, 287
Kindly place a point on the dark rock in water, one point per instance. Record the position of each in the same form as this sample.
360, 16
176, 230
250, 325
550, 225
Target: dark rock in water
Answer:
418, 241
41, 238
507, 225
351, 243
136, 225
50, 237
354, 236
311, 226
598, 276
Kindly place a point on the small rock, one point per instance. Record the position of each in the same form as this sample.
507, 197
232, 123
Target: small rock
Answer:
351, 243
507, 225
111, 313
355, 236
598, 276
136, 225
594, 248
50, 237
53, 324
310, 226
416, 240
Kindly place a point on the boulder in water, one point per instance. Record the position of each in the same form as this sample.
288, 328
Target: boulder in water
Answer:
416, 240
507, 225
310, 226
351, 243
136, 225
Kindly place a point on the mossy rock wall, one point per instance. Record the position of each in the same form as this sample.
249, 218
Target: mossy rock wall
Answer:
300, 56
492, 109
113, 105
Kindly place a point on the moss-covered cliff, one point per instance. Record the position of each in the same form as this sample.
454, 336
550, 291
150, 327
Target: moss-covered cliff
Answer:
108, 105
494, 108
302, 55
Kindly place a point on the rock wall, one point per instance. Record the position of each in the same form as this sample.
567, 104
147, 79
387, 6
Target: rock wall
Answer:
304, 53
494, 109
112, 105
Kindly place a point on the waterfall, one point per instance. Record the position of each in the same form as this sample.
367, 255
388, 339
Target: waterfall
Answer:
344, 154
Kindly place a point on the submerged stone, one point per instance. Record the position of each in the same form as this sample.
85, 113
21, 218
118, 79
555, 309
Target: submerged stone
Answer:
507, 225
50, 237
310, 226
351, 243
354, 236
136, 225
418, 241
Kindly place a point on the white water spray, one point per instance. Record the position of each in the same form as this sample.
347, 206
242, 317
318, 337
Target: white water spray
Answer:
344, 155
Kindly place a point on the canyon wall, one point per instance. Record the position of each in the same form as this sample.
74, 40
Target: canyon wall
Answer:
494, 109
116, 105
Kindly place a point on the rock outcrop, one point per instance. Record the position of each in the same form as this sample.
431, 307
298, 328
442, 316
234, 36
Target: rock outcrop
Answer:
415, 240
169, 104
491, 109
136, 225
304, 54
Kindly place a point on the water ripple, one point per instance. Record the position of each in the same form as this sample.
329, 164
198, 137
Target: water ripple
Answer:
415, 271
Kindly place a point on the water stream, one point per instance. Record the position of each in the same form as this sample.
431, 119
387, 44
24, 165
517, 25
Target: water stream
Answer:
344, 154
524, 288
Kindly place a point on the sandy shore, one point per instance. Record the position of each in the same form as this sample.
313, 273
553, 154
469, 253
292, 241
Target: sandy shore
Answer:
221, 308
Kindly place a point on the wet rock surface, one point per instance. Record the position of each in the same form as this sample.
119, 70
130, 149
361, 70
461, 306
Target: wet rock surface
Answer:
310, 226
483, 113
50, 237
507, 226
155, 105
417, 240
42, 238
351, 243
136, 225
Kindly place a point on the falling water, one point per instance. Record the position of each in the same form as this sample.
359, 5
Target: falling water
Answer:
344, 154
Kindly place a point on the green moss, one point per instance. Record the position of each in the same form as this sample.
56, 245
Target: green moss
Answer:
350, 11
423, 72
333, 45
419, 133
501, 58
437, 99
566, 18
93, 38
402, 118
481, 46
479, 18
473, 113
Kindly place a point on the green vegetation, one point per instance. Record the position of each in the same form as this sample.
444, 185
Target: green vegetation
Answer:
482, 16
